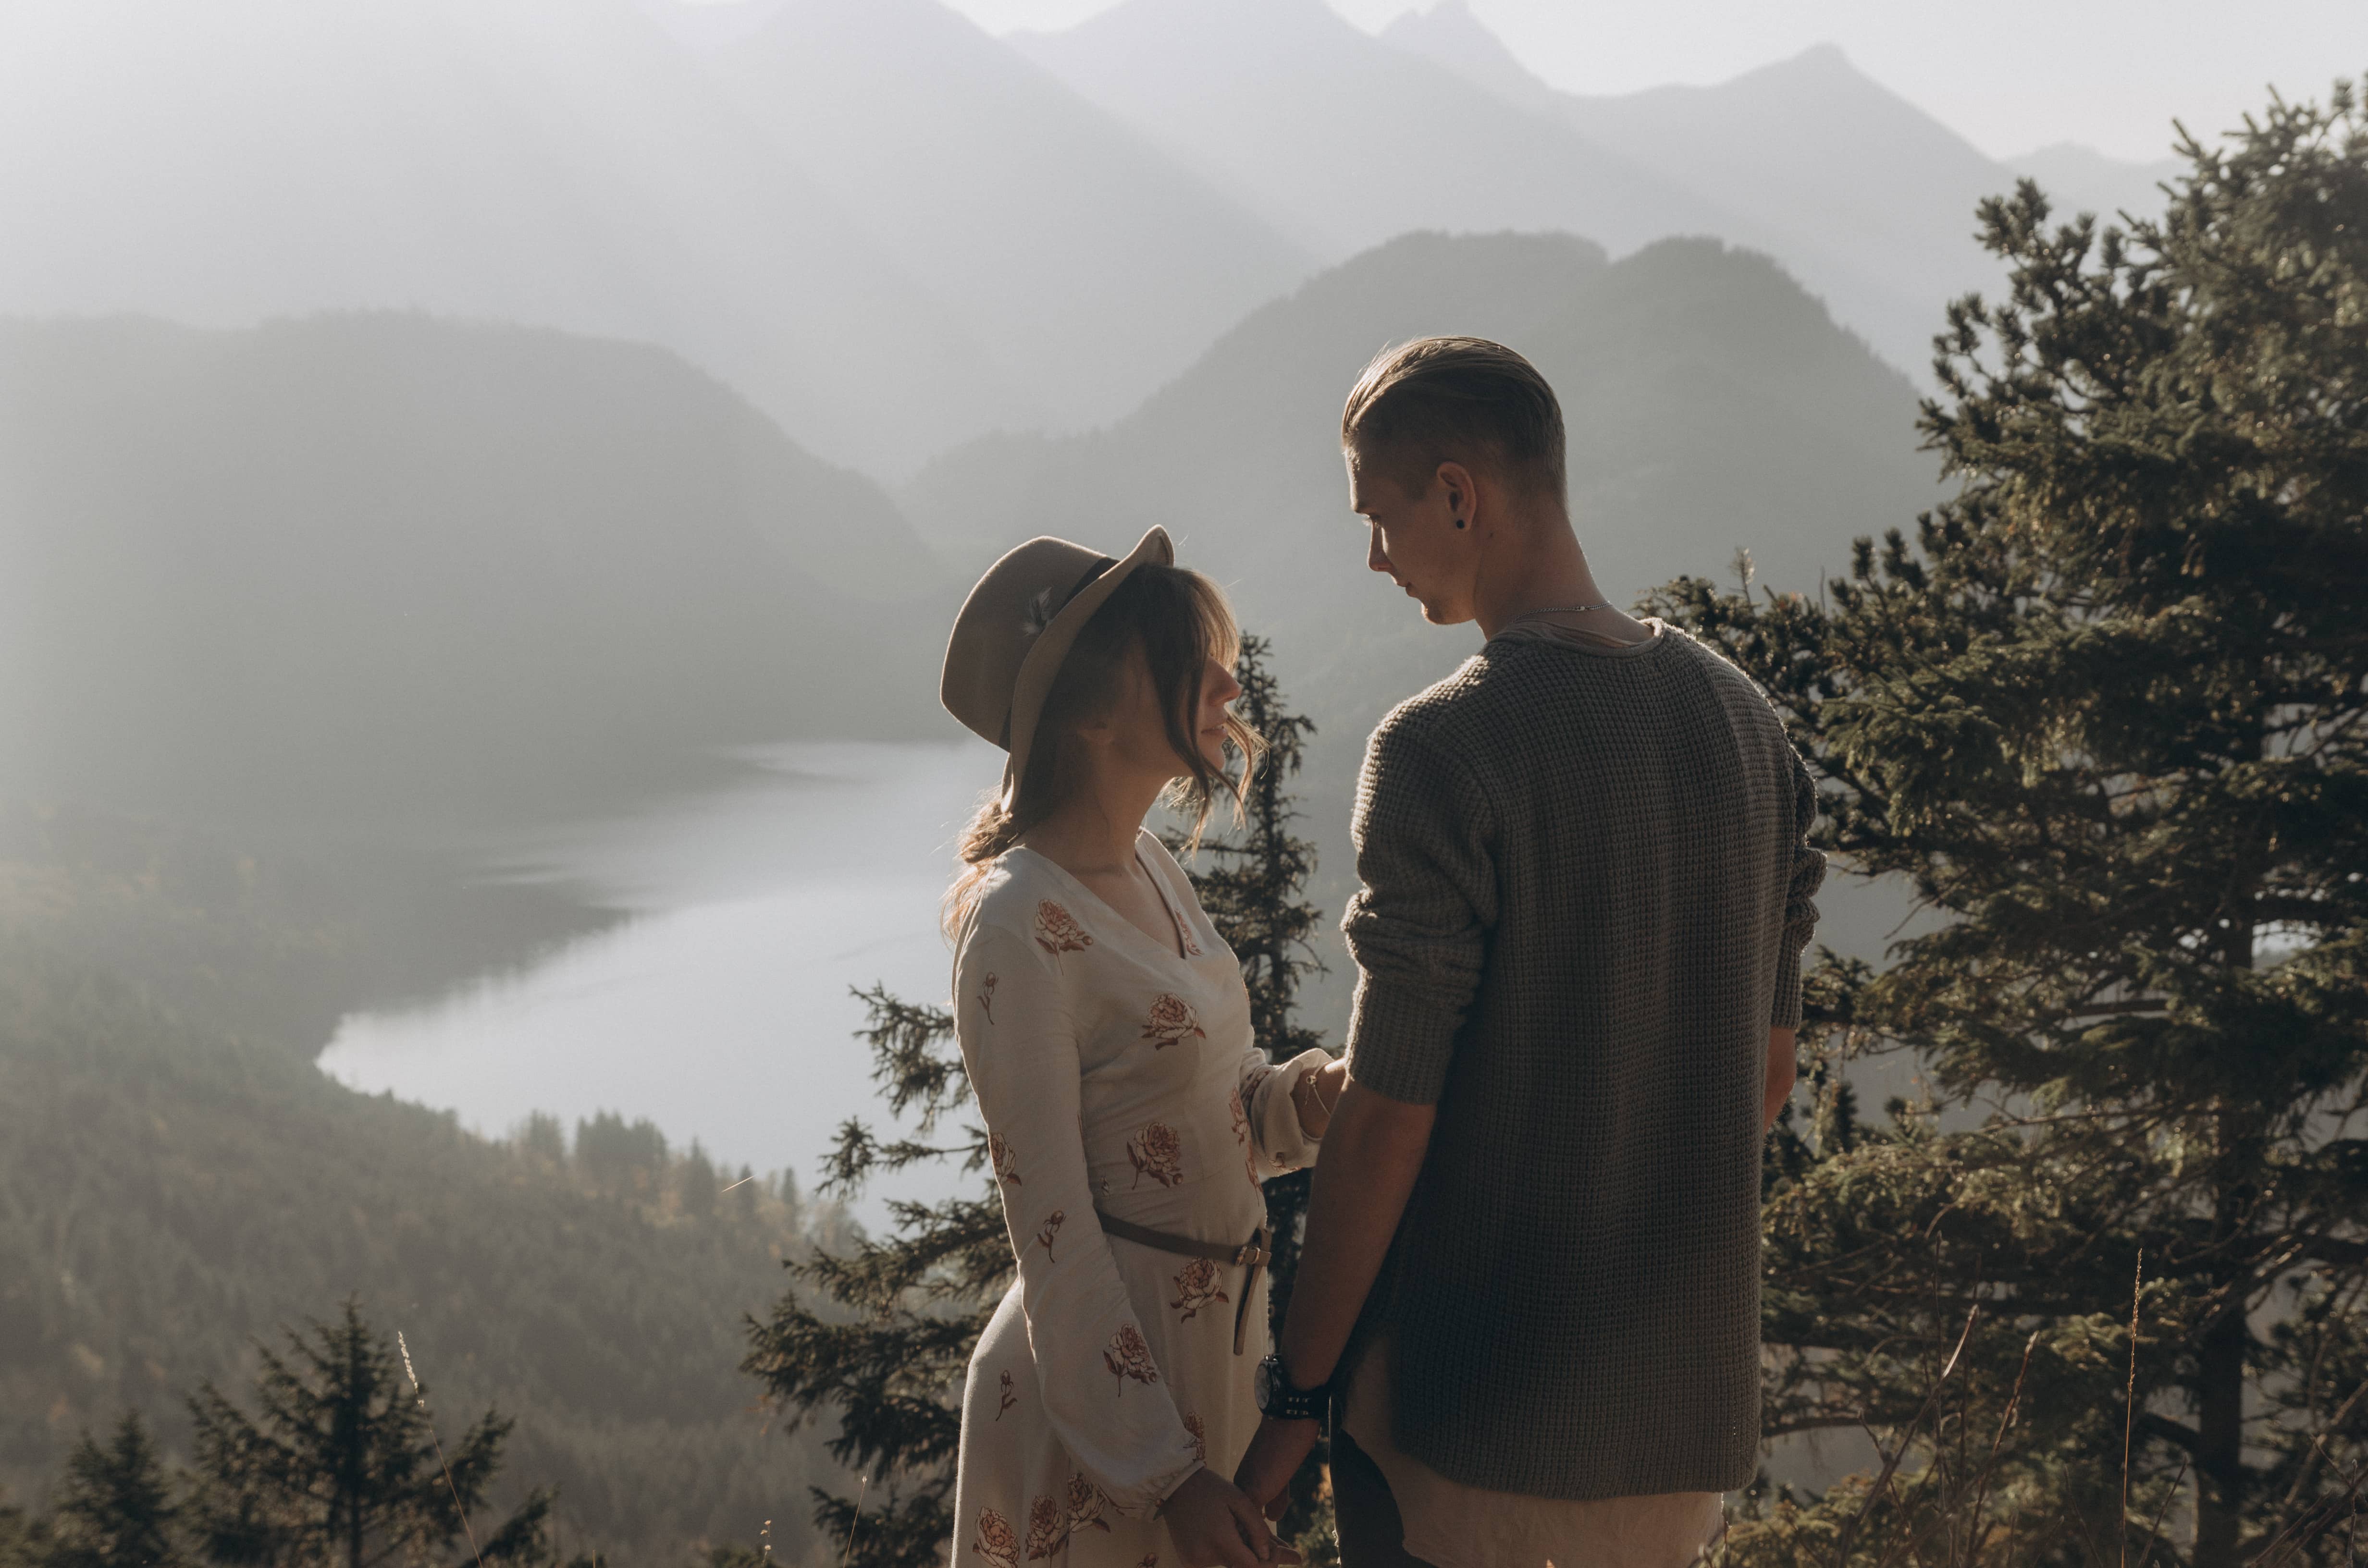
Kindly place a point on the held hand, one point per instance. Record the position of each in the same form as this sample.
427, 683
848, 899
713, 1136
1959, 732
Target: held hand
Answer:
1213, 1524
1275, 1455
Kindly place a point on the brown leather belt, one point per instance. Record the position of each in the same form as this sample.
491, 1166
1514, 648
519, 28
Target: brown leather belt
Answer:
1252, 1254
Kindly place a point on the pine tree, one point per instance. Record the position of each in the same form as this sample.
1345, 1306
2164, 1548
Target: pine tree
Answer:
340, 1465
699, 1188
2108, 716
883, 1333
115, 1509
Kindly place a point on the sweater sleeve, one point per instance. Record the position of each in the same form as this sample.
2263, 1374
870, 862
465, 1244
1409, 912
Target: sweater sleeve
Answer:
1418, 928
1804, 873
1103, 1392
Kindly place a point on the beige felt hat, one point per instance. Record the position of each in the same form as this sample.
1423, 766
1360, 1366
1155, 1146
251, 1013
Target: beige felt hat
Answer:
1016, 627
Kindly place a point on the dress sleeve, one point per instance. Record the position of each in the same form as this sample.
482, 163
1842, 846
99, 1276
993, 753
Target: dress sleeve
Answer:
1420, 927
1280, 1143
1103, 1393
1804, 874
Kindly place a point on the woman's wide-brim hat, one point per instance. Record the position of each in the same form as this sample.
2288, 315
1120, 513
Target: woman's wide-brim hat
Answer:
1017, 627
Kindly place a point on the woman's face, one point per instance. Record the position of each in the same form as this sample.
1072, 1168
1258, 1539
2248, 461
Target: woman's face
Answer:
1140, 729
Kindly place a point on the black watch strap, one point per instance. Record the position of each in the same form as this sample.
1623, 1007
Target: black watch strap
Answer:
1279, 1400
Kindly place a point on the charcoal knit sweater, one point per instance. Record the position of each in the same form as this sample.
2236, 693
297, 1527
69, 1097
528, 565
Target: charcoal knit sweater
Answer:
1585, 893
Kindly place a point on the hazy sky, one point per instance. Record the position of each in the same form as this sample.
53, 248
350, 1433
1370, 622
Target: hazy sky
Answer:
2007, 75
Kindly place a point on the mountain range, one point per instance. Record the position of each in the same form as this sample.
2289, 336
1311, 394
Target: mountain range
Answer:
1348, 139
890, 231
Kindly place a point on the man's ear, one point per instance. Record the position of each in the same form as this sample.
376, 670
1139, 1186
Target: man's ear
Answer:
1460, 495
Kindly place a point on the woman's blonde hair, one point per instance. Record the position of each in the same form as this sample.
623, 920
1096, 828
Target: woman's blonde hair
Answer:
1180, 620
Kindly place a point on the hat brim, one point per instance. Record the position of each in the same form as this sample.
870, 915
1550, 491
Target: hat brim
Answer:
1043, 666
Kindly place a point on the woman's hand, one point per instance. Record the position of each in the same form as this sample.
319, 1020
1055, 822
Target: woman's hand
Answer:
1214, 1524
1315, 1094
1274, 1457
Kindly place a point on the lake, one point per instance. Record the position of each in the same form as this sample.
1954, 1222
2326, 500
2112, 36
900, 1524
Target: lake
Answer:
719, 1008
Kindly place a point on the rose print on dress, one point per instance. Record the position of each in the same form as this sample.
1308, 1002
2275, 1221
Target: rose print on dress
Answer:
1129, 1357
1085, 1505
1157, 1153
1053, 1224
987, 994
1006, 1164
1171, 1019
1196, 1287
1057, 930
1009, 1398
1048, 1528
997, 1542
1192, 1424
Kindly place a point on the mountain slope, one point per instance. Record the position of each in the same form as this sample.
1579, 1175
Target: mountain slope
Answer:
559, 163
1862, 196
1085, 261
176, 1179
1344, 141
378, 567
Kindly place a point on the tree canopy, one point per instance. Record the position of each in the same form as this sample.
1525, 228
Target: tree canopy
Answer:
2107, 714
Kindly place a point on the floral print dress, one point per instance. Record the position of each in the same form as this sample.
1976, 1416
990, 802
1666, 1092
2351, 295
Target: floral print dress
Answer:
1114, 1071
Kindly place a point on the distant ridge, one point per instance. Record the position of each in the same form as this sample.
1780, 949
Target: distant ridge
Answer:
1089, 264
556, 163
1344, 142
381, 568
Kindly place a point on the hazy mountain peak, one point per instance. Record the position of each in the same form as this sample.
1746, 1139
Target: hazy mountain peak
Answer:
2078, 178
1144, 31
1449, 34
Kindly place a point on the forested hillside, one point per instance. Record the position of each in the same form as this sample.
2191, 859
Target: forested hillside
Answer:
385, 568
176, 1179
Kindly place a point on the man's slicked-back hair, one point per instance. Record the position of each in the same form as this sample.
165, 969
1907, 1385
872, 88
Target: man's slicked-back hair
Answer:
1456, 399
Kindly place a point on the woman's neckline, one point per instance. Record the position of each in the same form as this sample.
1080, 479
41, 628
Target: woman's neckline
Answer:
1171, 950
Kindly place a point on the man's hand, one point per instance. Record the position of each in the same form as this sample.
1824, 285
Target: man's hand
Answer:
1215, 1526
1275, 1455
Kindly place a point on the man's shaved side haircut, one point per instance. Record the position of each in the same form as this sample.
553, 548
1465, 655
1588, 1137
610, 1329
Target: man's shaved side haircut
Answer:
1456, 399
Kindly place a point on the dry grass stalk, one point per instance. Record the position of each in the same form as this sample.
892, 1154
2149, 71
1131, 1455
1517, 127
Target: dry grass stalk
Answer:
2130, 1409
1906, 1438
420, 1399
854, 1520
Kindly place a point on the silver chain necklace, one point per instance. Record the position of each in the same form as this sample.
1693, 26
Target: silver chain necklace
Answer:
1566, 610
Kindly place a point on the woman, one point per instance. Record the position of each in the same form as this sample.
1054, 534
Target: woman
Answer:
1107, 1034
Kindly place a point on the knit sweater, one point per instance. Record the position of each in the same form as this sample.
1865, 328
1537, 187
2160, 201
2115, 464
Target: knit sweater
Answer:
1586, 888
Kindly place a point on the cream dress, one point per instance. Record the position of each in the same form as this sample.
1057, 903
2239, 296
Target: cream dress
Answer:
1113, 1070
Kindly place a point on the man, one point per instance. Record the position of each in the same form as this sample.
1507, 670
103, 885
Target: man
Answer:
1531, 1286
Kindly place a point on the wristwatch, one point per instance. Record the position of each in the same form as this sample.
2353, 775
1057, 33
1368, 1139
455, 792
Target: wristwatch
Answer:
1277, 1401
